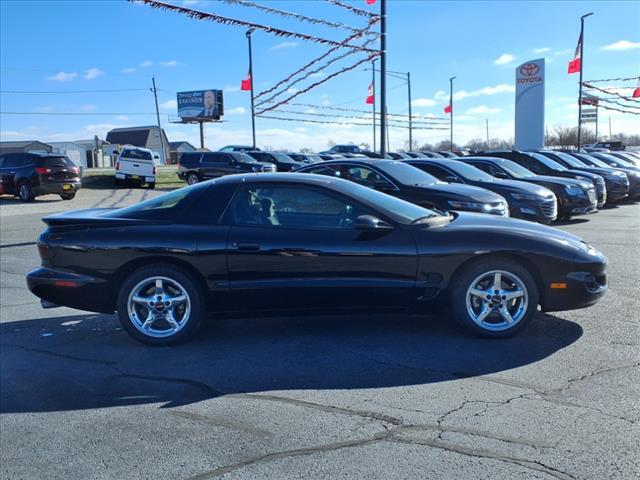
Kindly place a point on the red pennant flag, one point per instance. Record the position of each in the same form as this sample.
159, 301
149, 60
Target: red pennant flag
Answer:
448, 109
575, 65
636, 92
370, 95
245, 85
371, 2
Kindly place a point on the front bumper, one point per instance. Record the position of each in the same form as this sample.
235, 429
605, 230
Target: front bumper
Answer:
581, 289
71, 290
573, 206
57, 188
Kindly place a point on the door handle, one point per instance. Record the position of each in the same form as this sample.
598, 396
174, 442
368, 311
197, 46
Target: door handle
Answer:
247, 246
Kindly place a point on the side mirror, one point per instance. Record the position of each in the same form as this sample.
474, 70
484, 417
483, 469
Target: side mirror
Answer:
451, 179
501, 175
369, 222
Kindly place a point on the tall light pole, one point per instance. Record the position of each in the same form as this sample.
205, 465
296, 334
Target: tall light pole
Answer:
581, 70
383, 77
451, 113
253, 116
410, 117
487, 122
373, 82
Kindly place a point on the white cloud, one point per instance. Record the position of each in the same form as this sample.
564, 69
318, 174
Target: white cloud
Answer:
504, 59
317, 74
541, 50
87, 108
146, 64
92, 73
235, 111
282, 45
170, 104
63, 76
292, 90
622, 45
462, 94
122, 118
566, 51
482, 110
231, 88
423, 102
128, 70
170, 63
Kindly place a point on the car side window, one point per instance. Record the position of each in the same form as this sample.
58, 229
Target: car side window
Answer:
216, 157
366, 176
434, 170
485, 167
292, 207
327, 170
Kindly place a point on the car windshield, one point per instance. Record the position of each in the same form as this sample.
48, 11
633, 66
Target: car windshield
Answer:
611, 160
515, 170
469, 172
406, 174
573, 161
620, 162
282, 157
593, 160
241, 157
547, 161
136, 154
398, 210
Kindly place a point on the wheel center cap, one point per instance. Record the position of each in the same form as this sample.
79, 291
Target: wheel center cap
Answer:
496, 299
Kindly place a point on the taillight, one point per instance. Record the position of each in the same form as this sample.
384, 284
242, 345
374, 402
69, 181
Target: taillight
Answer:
117, 165
42, 170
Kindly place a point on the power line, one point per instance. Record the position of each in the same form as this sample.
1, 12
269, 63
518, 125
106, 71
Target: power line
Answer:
76, 113
302, 120
612, 80
72, 91
368, 118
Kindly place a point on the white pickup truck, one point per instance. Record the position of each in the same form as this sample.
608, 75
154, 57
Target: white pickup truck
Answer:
136, 165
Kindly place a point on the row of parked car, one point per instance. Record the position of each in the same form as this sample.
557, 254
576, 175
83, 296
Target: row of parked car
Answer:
542, 185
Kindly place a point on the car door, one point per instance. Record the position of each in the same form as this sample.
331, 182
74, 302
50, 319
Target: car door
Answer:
296, 247
439, 172
216, 164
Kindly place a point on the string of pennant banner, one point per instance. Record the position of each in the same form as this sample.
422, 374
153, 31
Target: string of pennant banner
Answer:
356, 110
355, 10
355, 117
627, 79
325, 122
633, 98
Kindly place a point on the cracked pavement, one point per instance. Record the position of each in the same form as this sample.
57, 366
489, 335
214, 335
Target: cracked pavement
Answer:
359, 396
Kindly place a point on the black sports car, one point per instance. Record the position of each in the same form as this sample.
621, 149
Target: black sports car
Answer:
531, 202
296, 242
413, 185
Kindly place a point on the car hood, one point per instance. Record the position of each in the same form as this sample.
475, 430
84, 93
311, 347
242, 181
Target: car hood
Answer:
557, 180
462, 192
518, 186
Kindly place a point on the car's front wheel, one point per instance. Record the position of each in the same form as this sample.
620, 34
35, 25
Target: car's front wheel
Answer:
160, 305
192, 178
494, 298
68, 196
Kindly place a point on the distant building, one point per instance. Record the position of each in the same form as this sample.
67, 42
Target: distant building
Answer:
147, 137
24, 146
176, 149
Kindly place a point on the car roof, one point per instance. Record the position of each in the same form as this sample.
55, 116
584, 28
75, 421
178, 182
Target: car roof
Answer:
334, 183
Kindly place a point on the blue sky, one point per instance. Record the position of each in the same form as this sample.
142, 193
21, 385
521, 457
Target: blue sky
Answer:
97, 45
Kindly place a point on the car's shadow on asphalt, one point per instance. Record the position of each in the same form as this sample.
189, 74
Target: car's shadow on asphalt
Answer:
87, 361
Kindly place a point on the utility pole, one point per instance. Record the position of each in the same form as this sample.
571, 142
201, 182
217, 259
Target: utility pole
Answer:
386, 115
451, 113
155, 96
596, 123
609, 128
581, 70
410, 117
383, 76
487, 121
253, 116
373, 82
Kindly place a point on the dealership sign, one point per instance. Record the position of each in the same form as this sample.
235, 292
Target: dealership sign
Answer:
200, 104
530, 104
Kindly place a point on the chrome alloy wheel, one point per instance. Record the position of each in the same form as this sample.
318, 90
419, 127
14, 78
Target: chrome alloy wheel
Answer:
159, 307
25, 192
192, 179
497, 300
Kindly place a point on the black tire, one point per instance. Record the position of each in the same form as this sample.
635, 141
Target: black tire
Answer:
170, 274
25, 192
192, 178
514, 271
68, 196
151, 185
117, 182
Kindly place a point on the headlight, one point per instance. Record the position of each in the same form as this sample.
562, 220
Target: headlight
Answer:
466, 205
573, 190
524, 196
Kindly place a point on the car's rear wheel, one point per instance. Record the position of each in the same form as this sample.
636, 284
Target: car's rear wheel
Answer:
67, 196
25, 192
151, 185
494, 298
192, 178
160, 305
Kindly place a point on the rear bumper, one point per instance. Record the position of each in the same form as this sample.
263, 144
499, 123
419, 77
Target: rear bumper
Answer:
57, 188
135, 178
71, 290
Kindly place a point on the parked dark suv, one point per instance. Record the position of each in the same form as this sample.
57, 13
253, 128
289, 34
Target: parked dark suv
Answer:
29, 175
282, 161
195, 167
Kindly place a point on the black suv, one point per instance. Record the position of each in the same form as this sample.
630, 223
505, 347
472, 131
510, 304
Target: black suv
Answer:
197, 166
29, 175
282, 161
543, 165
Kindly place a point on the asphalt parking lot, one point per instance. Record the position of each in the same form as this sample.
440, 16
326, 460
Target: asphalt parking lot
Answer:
376, 397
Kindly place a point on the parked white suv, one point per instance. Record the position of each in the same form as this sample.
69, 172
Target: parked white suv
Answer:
136, 165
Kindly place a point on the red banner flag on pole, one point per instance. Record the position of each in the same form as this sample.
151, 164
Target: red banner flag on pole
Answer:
245, 85
370, 95
370, 2
575, 63
636, 92
448, 109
